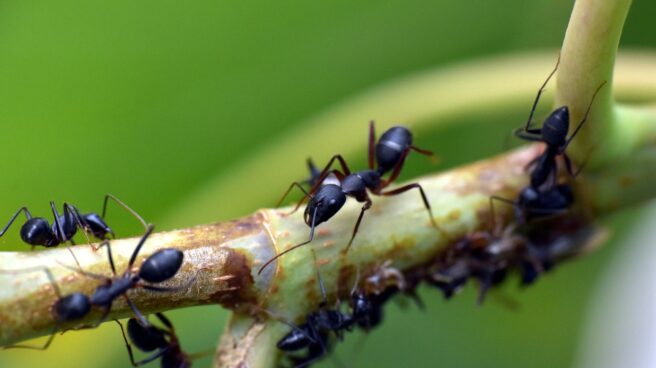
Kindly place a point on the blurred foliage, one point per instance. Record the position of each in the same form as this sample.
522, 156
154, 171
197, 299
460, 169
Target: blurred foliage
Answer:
148, 100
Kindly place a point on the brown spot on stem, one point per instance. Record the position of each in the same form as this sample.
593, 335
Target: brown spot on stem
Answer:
239, 288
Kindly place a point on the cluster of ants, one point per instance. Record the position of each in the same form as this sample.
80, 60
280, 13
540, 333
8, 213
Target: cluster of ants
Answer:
161, 266
543, 233
486, 256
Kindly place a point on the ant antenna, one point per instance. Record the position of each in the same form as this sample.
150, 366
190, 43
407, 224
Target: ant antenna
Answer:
537, 98
585, 117
314, 216
294, 184
321, 285
125, 206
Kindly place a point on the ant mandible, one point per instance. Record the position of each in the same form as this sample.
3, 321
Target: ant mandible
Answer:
327, 198
37, 231
149, 338
158, 267
554, 134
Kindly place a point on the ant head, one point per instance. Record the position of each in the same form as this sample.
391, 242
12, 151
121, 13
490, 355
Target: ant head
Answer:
390, 147
161, 265
146, 338
37, 231
72, 307
556, 126
97, 225
324, 204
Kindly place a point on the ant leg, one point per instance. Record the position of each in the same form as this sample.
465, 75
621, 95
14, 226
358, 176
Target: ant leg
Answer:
314, 216
299, 186
533, 135
140, 317
43, 347
365, 207
326, 171
83, 272
537, 98
55, 213
13, 218
171, 288
125, 206
585, 117
128, 347
149, 230
81, 223
492, 215
109, 255
395, 171
372, 145
165, 321
426, 204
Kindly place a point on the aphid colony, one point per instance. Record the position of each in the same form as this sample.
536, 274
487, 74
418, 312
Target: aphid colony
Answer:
529, 246
544, 232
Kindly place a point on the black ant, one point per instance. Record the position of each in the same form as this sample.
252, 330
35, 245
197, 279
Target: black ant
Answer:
158, 267
366, 312
37, 231
536, 199
150, 338
327, 198
314, 334
554, 134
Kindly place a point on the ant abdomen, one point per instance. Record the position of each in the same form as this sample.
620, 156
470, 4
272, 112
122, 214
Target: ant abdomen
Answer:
37, 231
146, 338
390, 147
162, 265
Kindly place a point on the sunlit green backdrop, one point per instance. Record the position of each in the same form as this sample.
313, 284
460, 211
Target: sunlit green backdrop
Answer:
149, 100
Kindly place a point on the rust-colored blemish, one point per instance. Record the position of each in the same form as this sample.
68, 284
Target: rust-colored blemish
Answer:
239, 287
323, 261
323, 232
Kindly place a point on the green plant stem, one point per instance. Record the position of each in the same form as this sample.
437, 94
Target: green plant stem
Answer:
225, 257
587, 61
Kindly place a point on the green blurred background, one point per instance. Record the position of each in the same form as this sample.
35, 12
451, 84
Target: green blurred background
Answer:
152, 100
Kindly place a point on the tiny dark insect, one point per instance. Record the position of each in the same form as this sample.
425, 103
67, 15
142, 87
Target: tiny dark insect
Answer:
327, 198
485, 256
151, 338
158, 267
38, 231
